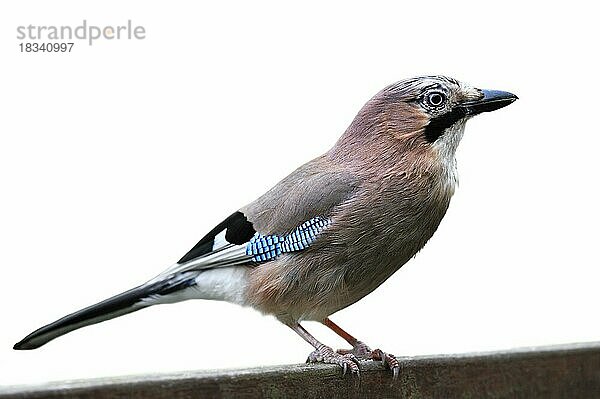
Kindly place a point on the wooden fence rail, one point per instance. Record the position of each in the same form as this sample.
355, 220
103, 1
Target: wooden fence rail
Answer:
568, 371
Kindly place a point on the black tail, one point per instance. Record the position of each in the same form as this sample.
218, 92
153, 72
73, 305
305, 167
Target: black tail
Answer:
119, 305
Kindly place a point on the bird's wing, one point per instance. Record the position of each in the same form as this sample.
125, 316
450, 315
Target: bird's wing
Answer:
287, 218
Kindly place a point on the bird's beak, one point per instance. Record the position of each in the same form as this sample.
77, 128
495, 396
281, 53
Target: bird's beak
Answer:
491, 101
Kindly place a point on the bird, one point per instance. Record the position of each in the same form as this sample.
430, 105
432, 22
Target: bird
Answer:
333, 230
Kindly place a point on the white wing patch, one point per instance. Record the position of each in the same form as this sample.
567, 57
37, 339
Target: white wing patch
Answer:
219, 241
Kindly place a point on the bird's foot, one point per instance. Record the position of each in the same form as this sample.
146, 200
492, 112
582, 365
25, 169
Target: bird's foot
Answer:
324, 354
363, 352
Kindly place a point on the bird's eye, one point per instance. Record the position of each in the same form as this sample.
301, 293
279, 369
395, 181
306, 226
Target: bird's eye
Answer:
436, 99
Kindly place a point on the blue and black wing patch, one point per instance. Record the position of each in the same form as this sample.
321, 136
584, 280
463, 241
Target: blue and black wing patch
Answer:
263, 248
235, 242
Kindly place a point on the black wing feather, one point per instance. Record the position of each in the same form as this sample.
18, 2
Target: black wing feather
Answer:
239, 231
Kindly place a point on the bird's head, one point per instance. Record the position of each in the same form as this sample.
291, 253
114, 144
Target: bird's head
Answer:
420, 117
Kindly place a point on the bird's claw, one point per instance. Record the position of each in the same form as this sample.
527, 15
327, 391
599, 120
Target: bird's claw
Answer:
363, 352
388, 360
325, 354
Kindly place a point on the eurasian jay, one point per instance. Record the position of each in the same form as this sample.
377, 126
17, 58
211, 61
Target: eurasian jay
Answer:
334, 229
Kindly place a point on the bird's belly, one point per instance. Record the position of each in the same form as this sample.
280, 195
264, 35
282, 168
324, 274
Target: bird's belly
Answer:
317, 286
342, 266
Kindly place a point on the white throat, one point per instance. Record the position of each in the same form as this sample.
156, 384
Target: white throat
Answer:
446, 147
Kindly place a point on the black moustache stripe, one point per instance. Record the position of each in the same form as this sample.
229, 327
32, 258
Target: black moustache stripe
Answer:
438, 125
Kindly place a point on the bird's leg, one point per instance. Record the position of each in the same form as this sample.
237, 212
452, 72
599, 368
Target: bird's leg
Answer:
362, 351
324, 354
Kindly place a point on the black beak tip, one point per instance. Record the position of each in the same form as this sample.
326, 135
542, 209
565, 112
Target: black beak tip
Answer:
491, 101
498, 95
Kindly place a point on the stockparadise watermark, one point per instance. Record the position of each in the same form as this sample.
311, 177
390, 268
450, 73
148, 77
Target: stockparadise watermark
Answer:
68, 34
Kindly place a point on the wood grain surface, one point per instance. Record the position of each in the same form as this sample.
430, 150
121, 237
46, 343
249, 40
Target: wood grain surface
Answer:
567, 371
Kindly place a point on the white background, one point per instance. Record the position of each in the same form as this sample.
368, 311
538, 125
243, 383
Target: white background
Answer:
116, 158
